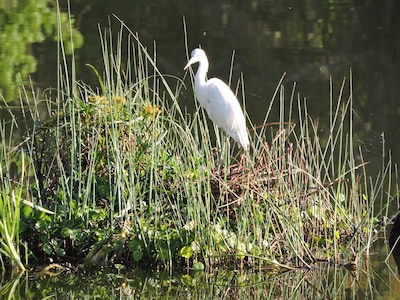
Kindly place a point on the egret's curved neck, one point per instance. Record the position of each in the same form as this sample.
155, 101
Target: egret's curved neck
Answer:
202, 72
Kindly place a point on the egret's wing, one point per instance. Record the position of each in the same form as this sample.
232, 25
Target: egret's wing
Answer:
225, 111
222, 104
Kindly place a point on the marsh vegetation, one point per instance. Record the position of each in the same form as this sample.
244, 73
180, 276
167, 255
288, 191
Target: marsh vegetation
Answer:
121, 176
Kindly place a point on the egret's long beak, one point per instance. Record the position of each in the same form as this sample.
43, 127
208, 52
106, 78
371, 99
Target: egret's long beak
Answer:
191, 61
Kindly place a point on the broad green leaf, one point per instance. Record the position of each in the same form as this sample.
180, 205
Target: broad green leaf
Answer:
198, 266
186, 252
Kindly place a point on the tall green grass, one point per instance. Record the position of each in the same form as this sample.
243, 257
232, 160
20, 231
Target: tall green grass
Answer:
12, 182
121, 173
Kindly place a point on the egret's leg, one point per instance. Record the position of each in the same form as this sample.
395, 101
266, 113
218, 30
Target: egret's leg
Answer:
221, 150
219, 138
227, 152
243, 157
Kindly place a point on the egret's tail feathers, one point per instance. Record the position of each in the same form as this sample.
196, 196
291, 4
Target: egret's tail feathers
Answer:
242, 139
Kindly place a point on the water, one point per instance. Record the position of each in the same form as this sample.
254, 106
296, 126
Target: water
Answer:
310, 41
325, 281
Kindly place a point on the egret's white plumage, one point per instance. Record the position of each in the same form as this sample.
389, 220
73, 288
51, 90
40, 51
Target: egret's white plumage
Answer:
219, 101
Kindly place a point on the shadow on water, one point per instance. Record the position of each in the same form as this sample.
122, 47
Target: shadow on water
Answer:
373, 280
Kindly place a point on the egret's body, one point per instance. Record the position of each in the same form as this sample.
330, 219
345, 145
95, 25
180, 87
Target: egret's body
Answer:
219, 101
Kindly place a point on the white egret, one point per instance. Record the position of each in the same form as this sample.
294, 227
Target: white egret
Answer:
219, 101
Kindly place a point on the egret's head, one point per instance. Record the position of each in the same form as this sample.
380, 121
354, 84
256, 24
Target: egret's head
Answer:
198, 55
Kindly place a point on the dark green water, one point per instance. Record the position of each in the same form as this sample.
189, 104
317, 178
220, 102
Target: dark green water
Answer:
310, 41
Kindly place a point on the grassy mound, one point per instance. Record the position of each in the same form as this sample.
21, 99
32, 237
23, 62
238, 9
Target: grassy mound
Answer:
122, 174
